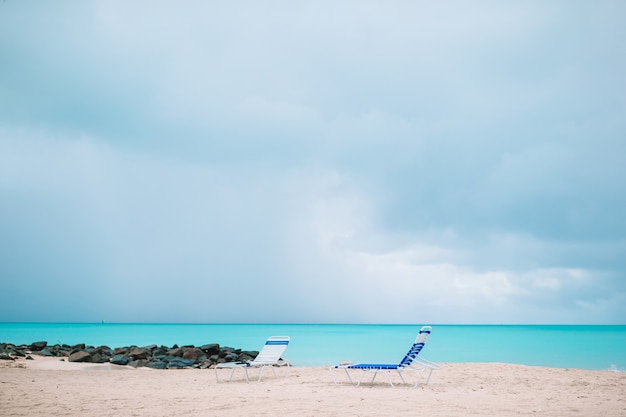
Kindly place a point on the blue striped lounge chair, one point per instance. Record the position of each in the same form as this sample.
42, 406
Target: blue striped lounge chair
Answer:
410, 362
269, 356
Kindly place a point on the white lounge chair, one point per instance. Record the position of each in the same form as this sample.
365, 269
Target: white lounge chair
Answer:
410, 362
270, 356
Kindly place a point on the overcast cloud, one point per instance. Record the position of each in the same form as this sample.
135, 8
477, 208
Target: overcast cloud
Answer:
340, 161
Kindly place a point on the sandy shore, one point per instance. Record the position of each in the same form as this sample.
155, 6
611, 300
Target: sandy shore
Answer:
49, 387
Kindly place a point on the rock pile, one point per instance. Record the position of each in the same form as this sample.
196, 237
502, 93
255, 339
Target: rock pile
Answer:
152, 356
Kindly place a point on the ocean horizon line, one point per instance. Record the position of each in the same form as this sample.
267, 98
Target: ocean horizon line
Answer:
309, 323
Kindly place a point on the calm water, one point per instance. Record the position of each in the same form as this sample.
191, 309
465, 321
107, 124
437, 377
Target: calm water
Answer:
586, 347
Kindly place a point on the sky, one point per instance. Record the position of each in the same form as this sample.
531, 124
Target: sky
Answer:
313, 162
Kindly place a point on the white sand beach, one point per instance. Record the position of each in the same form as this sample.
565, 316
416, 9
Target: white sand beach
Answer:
50, 387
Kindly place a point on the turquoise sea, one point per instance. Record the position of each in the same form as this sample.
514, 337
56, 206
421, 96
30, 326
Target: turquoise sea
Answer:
594, 347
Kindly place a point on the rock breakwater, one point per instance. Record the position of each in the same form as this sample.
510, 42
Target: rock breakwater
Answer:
152, 356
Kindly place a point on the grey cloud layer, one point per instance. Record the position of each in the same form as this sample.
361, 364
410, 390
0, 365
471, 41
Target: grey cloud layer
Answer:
466, 156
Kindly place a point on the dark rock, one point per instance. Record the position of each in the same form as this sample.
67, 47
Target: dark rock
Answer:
167, 358
139, 353
19, 352
47, 351
231, 357
160, 351
119, 360
63, 352
80, 356
29, 358
180, 363
225, 351
120, 351
175, 352
98, 358
138, 363
6, 357
193, 353
211, 349
37, 346
156, 365
104, 350
244, 358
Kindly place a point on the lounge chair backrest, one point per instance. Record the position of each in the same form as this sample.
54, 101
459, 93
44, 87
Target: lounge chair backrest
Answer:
417, 347
272, 351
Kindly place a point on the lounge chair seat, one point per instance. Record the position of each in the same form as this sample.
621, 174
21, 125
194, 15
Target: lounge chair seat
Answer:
410, 362
269, 356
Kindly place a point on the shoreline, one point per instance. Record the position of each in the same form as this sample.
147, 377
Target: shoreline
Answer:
49, 386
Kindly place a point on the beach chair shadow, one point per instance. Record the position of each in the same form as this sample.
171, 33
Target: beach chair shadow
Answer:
269, 356
411, 362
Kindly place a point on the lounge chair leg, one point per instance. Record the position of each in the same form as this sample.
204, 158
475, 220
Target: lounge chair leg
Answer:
401, 377
361, 379
349, 377
419, 378
429, 374
389, 379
